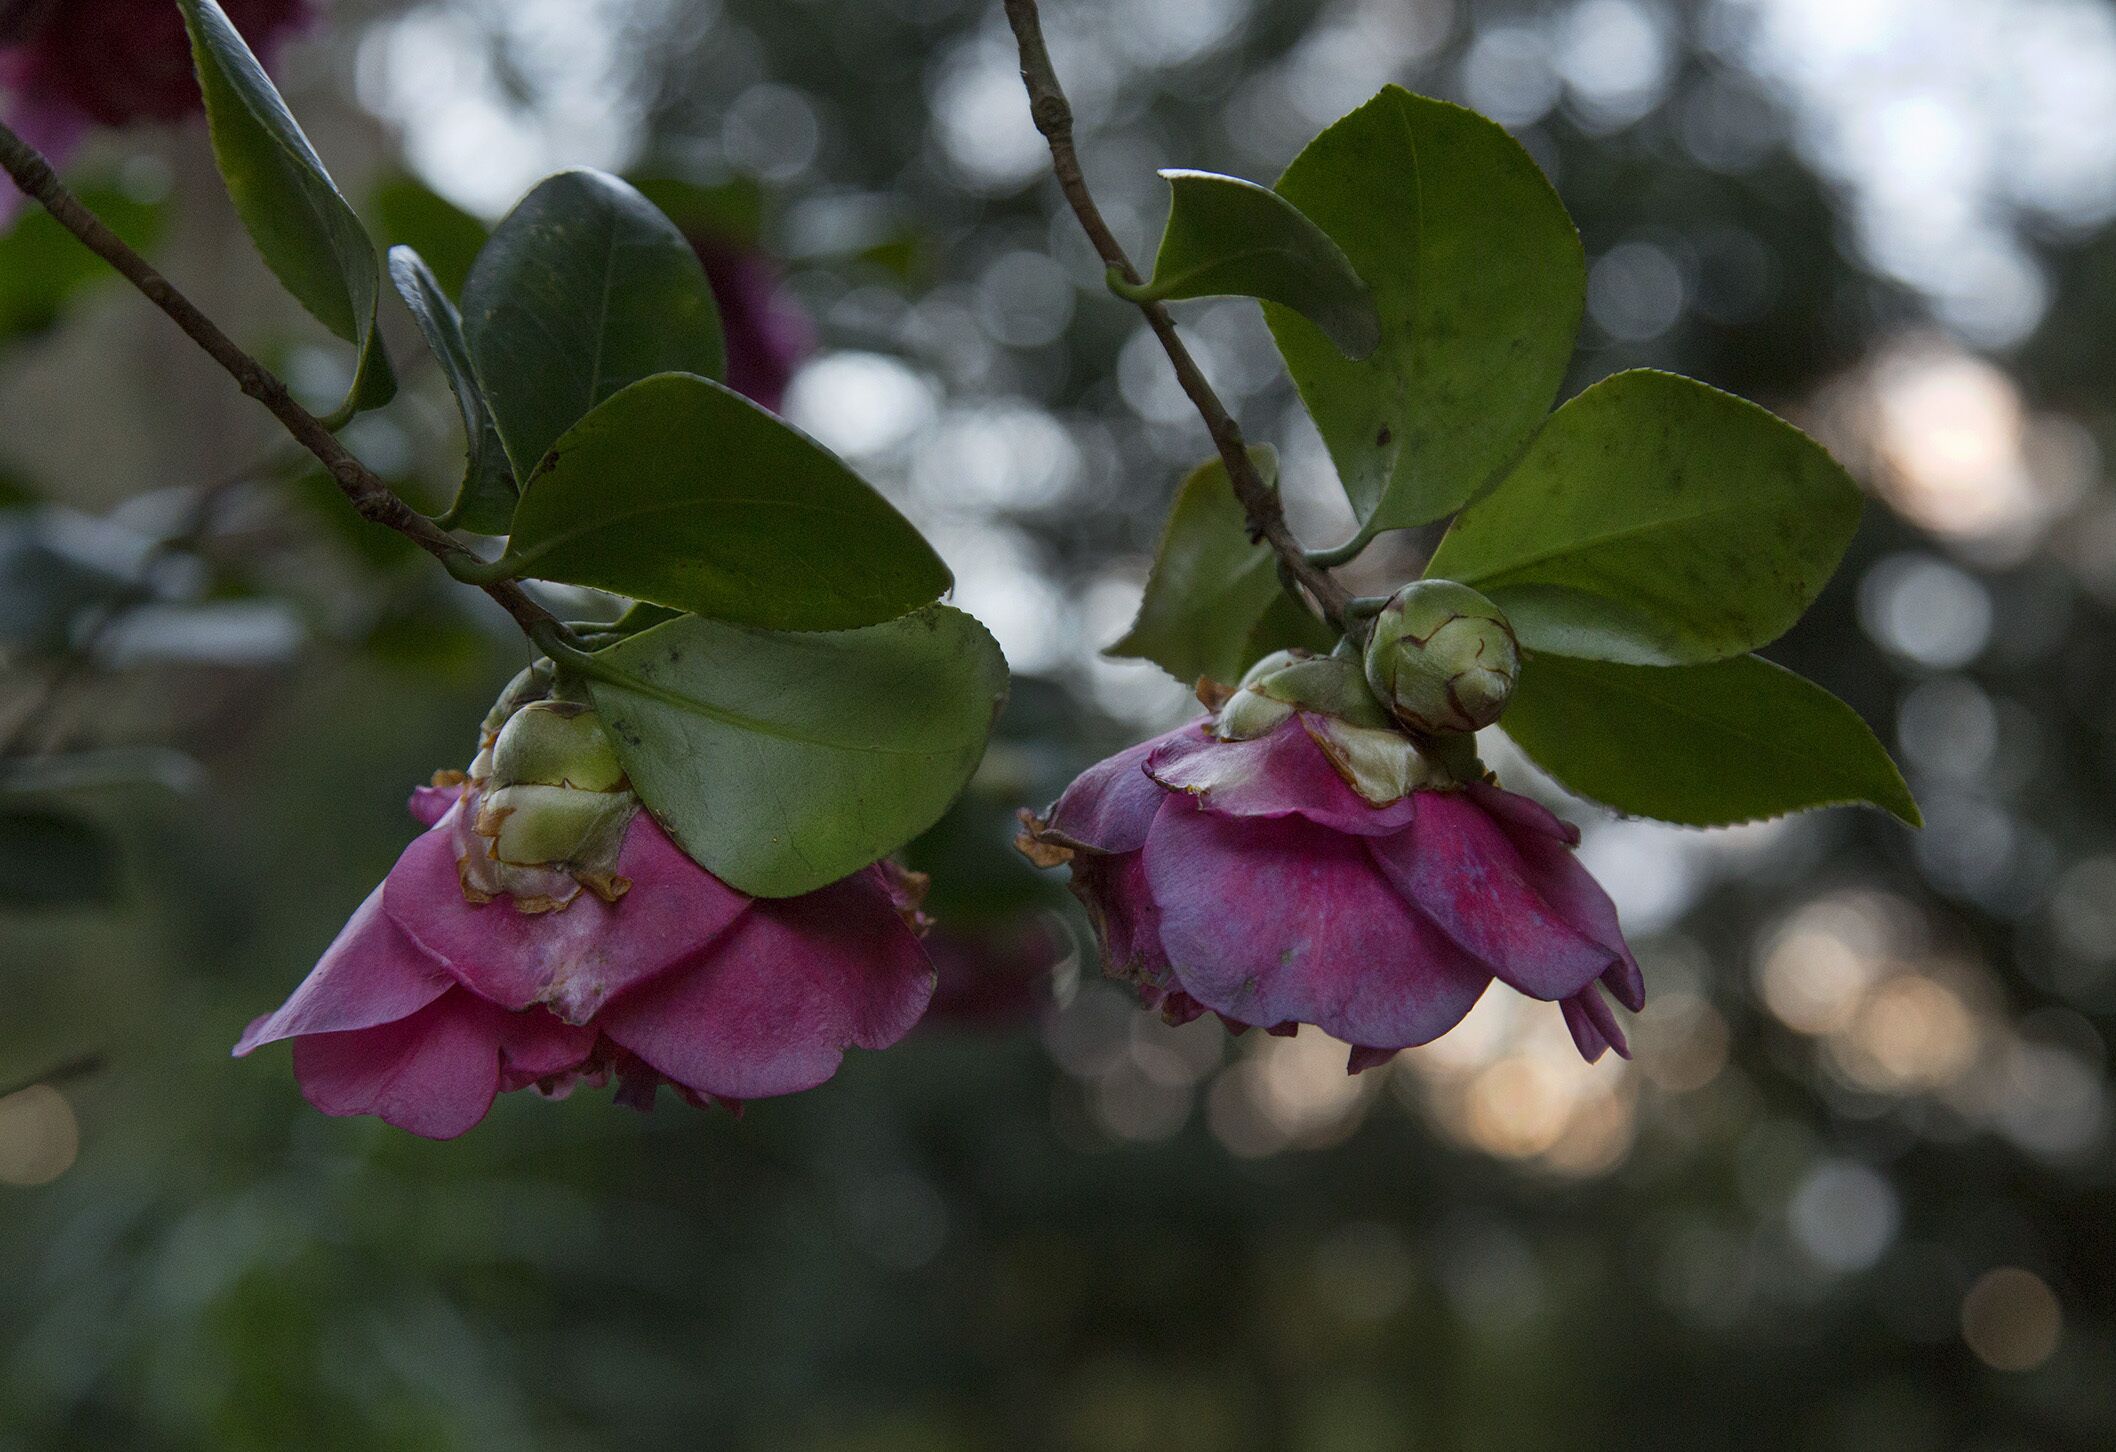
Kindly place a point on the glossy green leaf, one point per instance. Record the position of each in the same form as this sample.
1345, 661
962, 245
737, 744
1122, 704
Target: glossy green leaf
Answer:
1479, 280
783, 761
680, 491
1704, 745
50, 859
1659, 522
1232, 238
484, 501
584, 289
1210, 597
304, 229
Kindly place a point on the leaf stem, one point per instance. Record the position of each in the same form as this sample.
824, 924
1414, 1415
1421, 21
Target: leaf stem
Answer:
373, 499
1344, 554
1053, 115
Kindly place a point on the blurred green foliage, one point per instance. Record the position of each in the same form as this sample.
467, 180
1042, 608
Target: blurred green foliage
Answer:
1875, 1066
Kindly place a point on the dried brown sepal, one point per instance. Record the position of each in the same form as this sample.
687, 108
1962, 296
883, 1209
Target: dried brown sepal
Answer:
1036, 843
1213, 694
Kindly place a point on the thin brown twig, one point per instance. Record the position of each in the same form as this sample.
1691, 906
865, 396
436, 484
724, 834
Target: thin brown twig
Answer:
370, 496
1267, 517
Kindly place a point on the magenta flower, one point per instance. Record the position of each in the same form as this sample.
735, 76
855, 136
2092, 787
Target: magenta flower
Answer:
997, 976
69, 65
545, 932
768, 335
1281, 866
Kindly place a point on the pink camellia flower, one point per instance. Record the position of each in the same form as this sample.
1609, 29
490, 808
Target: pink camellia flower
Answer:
545, 932
768, 335
69, 65
1295, 858
997, 976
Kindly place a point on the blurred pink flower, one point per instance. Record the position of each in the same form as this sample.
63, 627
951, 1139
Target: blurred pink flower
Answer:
768, 335
997, 976
437, 996
68, 65
1251, 878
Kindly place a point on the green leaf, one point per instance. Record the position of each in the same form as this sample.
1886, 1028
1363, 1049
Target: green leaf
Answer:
42, 265
1479, 279
1212, 599
1658, 522
683, 492
1229, 237
449, 238
49, 859
783, 761
731, 212
1704, 745
304, 229
484, 502
584, 289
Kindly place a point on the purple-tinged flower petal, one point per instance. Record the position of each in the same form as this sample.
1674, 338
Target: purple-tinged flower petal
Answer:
1110, 806
370, 975
767, 333
1362, 1058
1121, 906
429, 804
1273, 921
1459, 869
538, 1044
1282, 773
572, 961
1593, 1025
771, 1007
1560, 880
434, 1073
1515, 811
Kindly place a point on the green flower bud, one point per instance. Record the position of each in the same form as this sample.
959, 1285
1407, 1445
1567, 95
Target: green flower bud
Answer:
555, 744
535, 826
1293, 680
1442, 658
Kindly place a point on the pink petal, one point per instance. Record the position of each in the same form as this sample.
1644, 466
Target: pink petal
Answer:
1460, 870
434, 1074
1110, 806
1273, 921
536, 1044
771, 1007
371, 974
1593, 1025
428, 804
1570, 889
1121, 906
574, 960
1515, 811
1362, 1059
1282, 773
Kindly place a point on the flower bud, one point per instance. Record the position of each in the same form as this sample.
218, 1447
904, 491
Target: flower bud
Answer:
1294, 680
555, 744
1442, 658
536, 826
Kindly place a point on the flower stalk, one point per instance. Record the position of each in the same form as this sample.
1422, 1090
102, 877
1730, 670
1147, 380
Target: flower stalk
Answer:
369, 495
1053, 115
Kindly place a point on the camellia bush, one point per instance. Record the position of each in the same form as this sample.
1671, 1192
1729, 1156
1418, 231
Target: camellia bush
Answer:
665, 856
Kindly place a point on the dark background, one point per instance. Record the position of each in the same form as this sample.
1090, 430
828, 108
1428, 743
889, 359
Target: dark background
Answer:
1854, 1192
